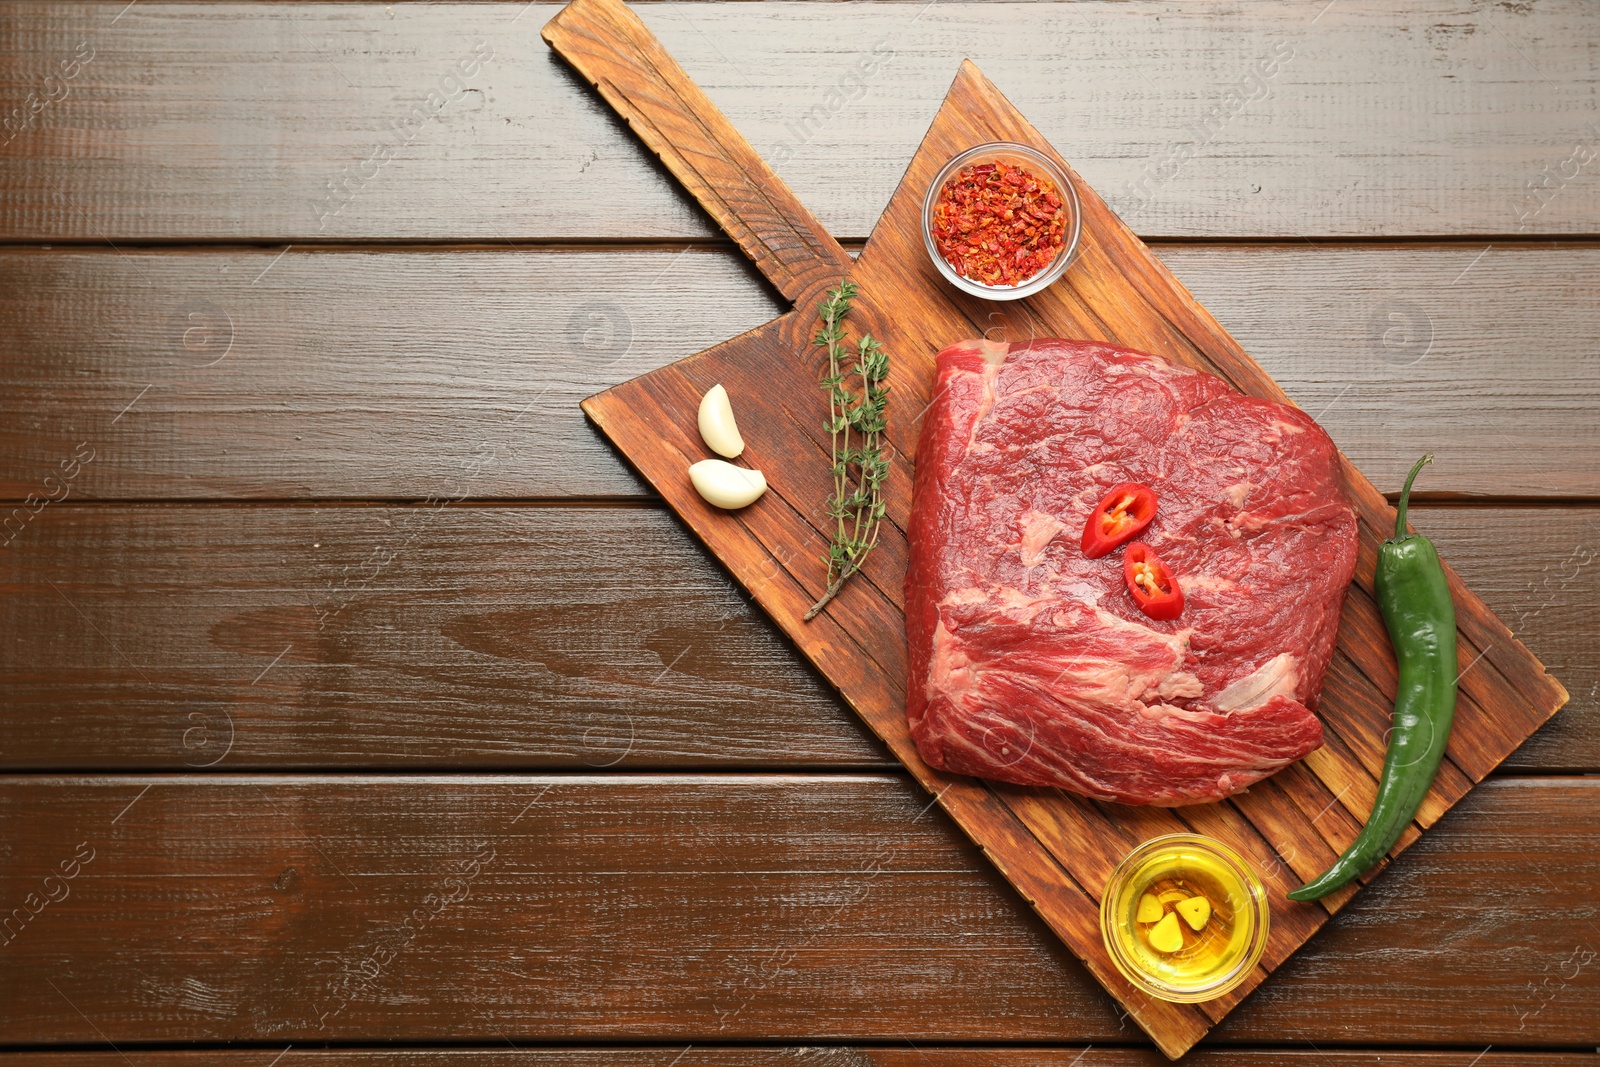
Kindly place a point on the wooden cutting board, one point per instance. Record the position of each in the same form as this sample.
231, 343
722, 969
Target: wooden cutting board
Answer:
1056, 848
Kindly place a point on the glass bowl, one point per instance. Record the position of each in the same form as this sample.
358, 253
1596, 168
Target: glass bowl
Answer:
1019, 155
1212, 961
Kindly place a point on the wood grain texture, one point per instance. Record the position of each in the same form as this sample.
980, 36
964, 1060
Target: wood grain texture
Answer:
709, 158
1055, 848
522, 637
428, 637
307, 121
402, 373
915, 1055
707, 910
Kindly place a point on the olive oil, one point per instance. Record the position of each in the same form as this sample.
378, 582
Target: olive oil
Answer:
1206, 953
1232, 920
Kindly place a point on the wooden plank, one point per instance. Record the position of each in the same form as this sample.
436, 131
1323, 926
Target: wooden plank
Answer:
813, 1056
453, 636
707, 909
416, 637
349, 120
399, 374
1538, 597
1117, 291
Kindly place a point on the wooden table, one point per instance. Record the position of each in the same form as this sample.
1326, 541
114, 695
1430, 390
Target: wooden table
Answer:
361, 708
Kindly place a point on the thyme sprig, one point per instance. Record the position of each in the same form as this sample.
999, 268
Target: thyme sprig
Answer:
858, 401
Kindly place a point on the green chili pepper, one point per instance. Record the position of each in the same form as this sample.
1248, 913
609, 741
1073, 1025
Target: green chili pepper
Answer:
1415, 600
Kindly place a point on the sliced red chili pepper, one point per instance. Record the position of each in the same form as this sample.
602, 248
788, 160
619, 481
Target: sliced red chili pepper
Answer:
1150, 581
1121, 515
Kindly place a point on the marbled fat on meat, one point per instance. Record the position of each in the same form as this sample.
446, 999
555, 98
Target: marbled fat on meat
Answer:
1031, 663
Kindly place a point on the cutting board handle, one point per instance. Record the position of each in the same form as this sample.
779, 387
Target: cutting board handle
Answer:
614, 51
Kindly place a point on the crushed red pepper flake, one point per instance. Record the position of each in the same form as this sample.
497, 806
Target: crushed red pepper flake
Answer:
998, 224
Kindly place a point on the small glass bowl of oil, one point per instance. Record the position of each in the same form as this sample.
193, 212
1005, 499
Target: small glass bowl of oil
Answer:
1171, 872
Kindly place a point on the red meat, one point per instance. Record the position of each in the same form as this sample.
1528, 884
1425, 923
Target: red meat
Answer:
1031, 663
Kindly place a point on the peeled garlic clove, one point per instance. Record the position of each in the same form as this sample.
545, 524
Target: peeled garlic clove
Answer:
1195, 912
717, 428
725, 485
1166, 936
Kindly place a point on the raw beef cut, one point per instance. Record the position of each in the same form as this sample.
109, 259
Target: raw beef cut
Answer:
1031, 663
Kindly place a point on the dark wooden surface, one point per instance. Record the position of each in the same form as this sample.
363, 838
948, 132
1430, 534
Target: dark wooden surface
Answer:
523, 636
524, 631
708, 908
328, 390
227, 121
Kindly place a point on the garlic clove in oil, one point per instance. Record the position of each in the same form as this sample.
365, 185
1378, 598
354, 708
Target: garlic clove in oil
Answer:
717, 427
1196, 911
727, 486
1166, 936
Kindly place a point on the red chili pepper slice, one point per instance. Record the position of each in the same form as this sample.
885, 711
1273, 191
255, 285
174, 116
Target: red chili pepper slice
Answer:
1121, 516
1150, 581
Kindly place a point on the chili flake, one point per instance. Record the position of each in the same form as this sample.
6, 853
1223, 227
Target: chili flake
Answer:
998, 224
